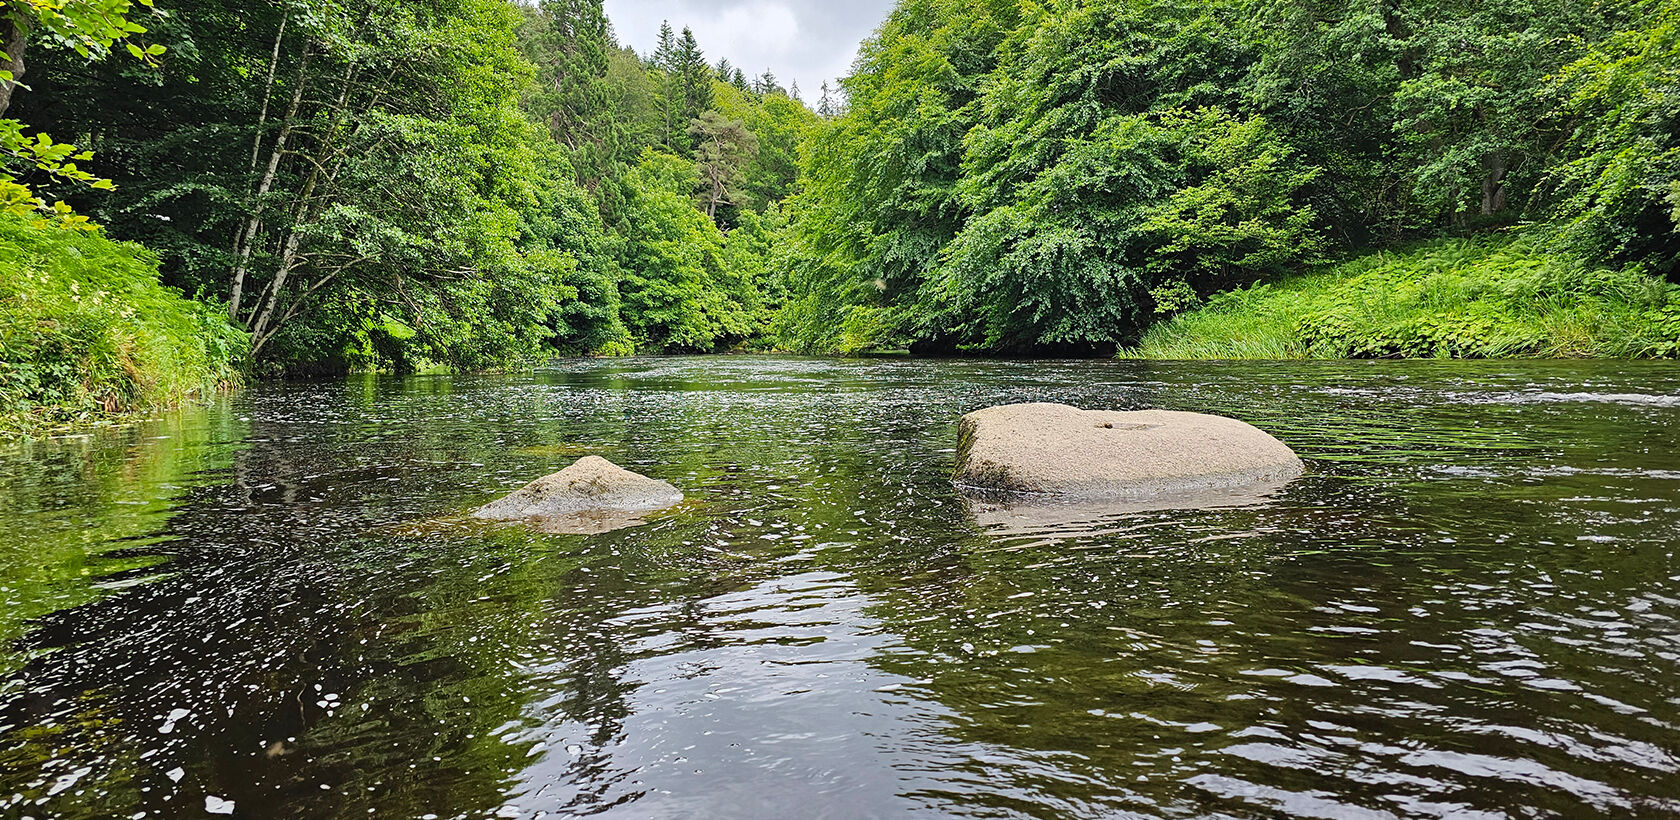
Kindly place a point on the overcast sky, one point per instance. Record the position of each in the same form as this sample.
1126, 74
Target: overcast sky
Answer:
805, 40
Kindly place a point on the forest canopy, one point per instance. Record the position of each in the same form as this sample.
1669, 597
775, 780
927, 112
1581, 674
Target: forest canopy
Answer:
1062, 174
473, 184
457, 183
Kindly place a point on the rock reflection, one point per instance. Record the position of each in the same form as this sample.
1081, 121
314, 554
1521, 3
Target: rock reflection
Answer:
1049, 519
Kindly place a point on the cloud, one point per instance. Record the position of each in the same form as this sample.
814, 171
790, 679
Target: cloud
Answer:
805, 40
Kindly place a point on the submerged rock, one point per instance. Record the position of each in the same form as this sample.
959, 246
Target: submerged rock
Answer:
590, 497
1061, 451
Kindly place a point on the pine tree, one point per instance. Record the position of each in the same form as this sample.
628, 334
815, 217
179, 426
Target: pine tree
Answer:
695, 76
793, 92
569, 46
724, 70
665, 54
766, 84
664, 65
825, 103
725, 148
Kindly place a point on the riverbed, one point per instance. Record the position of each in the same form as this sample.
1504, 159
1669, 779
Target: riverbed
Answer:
277, 607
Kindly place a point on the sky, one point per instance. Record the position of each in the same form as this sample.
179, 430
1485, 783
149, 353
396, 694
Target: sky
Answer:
805, 40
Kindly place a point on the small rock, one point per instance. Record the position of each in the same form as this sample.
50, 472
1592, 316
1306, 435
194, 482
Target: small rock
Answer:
592, 496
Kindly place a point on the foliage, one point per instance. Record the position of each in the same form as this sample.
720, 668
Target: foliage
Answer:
686, 285
684, 289
87, 332
1043, 169
723, 148
1071, 254
90, 28
1448, 299
1058, 175
569, 42
780, 126
379, 174
879, 199
1620, 191
474, 183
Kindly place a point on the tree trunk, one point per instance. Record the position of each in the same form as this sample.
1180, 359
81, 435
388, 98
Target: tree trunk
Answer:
14, 38
246, 242
1408, 60
268, 92
265, 326
1495, 194
261, 333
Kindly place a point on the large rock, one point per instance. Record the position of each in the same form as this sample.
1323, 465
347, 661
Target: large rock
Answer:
1056, 450
592, 496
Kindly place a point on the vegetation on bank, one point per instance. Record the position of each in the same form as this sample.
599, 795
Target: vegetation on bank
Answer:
1050, 176
464, 184
472, 184
1458, 298
87, 333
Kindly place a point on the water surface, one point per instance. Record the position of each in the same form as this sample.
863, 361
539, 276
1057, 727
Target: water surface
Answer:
274, 607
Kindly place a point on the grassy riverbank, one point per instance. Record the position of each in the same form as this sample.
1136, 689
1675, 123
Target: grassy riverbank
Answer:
1448, 299
88, 335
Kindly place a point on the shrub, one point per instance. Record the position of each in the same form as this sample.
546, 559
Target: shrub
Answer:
86, 331
1447, 299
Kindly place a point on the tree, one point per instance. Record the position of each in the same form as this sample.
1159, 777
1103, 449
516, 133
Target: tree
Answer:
377, 195
665, 52
725, 149
568, 41
1618, 192
694, 75
90, 28
680, 291
781, 127
825, 102
879, 201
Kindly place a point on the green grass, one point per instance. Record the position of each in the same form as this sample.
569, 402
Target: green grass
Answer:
87, 335
1471, 299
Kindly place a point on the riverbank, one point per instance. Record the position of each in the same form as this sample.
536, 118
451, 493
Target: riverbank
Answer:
1459, 298
88, 336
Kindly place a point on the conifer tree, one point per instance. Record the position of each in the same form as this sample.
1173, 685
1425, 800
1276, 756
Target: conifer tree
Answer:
725, 148
825, 103
664, 54
569, 42
664, 66
694, 75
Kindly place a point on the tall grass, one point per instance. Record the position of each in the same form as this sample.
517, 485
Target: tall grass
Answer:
1447, 299
87, 333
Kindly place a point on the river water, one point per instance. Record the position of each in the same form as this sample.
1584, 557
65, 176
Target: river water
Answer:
1469, 608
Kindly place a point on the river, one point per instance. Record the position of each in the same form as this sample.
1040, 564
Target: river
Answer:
275, 607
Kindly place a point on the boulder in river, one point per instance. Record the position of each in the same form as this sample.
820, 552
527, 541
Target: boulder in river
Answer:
1061, 451
592, 496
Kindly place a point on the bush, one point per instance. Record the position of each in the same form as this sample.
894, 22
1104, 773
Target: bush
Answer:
1467, 299
87, 332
